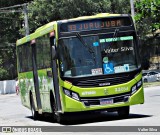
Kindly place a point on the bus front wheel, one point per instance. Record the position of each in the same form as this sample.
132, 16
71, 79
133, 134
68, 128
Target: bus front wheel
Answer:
123, 112
60, 118
56, 116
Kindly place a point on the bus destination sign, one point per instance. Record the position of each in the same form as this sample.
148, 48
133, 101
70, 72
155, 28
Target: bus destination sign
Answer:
95, 24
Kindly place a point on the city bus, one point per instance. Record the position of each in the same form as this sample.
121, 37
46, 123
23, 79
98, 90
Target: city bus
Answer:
83, 64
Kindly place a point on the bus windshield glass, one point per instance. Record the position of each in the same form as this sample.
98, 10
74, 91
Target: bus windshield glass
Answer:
110, 54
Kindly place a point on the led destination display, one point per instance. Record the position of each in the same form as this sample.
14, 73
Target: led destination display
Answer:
95, 24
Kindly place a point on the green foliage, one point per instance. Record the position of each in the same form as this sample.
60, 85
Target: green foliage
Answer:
9, 33
44, 11
3, 74
3, 3
120, 6
148, 26
147, 16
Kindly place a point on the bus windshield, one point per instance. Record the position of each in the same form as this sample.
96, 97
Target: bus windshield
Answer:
110, 54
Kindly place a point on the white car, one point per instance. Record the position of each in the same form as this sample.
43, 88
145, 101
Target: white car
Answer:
151, 76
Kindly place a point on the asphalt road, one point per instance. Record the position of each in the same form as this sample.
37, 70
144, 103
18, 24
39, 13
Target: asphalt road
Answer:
12, 113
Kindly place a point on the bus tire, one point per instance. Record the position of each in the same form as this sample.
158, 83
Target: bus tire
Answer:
58, 117
35, 114
123, 112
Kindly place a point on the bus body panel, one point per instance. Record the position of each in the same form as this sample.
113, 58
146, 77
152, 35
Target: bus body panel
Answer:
45, 86
26, 84
71, 105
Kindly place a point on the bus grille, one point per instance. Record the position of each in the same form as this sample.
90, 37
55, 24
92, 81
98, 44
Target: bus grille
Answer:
102, 81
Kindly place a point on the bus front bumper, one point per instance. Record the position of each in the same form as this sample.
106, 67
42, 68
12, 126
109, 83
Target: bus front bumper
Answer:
72, 105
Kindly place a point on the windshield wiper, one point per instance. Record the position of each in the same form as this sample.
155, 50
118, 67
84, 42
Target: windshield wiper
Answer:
84, 43
114, 36
115, 33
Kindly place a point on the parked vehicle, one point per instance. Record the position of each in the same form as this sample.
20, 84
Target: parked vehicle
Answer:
151, 76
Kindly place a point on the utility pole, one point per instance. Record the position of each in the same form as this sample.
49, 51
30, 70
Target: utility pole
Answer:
25, 11
132, 8
26, 19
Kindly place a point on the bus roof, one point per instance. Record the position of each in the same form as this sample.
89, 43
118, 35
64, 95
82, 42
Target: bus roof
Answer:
39, 32
100, 15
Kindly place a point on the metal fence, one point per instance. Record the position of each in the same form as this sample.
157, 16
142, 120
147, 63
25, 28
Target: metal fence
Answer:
7, 87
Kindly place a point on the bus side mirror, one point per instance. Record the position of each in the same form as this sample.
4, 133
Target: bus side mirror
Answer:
53, 53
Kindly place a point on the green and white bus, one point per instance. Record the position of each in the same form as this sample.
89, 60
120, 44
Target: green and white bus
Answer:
88, 63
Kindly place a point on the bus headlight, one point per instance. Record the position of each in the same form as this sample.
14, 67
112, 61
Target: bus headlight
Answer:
67, 92
139, 84
75, 96
134, 89
136, 86
71, 94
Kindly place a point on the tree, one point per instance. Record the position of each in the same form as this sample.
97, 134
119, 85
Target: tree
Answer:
147, 17
44, 11
117, 6
9, 33
3, 3
148, 26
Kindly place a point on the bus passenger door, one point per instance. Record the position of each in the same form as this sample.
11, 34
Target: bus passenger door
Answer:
55, 73
35, 78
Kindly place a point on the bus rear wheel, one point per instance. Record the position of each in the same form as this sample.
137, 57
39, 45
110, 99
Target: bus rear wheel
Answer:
123, 112
35, 114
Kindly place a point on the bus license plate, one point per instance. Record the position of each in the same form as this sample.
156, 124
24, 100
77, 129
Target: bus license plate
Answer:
106, 101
